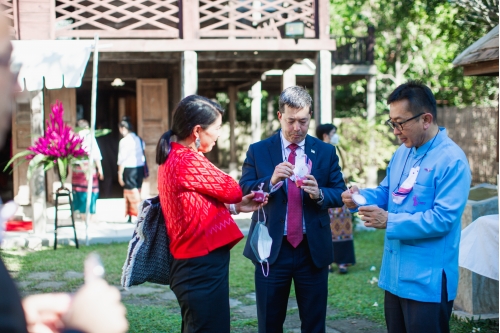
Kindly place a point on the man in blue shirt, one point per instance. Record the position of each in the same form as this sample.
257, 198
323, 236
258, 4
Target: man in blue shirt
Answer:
420, 204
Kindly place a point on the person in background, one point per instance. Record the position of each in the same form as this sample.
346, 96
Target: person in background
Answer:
297, 217
94, 308
79, 181
197, 200
420, 204
340, 218
130, 166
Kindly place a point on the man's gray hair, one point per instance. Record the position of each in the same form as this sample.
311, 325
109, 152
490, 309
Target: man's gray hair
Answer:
295, 97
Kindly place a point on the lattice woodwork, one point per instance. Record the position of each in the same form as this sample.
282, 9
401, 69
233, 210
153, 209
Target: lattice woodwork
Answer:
253, 19
9, 10
117, 18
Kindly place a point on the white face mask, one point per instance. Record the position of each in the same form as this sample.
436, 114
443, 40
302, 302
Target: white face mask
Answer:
261, 243
334, 140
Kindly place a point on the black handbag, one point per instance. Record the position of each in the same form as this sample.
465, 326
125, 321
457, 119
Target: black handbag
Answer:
148, 256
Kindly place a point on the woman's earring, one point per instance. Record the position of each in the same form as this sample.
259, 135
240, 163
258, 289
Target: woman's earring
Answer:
197, 143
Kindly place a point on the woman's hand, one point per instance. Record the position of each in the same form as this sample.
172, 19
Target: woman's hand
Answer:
248, 205
120, 180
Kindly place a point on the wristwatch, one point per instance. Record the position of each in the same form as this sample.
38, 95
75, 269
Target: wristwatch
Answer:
321, 197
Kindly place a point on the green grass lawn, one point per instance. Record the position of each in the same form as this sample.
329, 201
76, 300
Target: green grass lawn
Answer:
351, 295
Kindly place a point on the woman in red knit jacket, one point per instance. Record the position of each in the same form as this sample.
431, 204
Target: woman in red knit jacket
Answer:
197, 201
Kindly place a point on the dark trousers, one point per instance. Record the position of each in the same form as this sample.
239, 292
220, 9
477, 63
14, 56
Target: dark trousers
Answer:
201, 286
311, 290
404, 315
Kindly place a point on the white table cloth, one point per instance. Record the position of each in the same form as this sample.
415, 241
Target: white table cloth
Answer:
479, 247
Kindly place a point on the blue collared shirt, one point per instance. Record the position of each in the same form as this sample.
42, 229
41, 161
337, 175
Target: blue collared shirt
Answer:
423, 233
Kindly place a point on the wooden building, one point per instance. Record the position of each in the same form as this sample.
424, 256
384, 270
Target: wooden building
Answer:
481, 58
163, 50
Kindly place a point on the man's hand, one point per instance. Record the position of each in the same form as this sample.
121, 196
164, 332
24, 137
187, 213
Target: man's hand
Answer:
374, 216
347, 197
311, 186
282, 171
247, 204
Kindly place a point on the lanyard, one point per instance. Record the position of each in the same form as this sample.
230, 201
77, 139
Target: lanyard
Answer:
419, 161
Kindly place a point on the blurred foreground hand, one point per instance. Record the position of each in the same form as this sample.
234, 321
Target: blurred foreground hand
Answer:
95, 308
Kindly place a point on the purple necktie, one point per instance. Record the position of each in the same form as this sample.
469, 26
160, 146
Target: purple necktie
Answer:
294, 211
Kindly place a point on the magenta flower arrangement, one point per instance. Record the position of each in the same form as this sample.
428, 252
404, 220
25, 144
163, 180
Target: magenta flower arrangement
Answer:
58, 147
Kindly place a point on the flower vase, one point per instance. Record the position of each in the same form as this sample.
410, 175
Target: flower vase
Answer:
61, 175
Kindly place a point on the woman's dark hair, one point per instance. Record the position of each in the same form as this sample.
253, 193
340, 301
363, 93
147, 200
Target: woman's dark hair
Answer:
191, 111
125, 123
324, 129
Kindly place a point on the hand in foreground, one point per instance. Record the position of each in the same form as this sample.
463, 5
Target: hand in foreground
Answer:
247, 205
347, 197
282, 171
44, 312
120, 180
96, 308
374, 216
311, 186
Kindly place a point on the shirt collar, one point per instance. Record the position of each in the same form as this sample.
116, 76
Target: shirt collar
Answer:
442, 134
286, 143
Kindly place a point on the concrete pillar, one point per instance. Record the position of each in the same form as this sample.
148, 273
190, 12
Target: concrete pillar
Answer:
270, 115
37, 181
189, 73
323, 87
233, 97
371, 110
333, 102
288, 79
256, 108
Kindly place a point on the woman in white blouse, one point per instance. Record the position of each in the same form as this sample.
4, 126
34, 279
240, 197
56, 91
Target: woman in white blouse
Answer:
130, 166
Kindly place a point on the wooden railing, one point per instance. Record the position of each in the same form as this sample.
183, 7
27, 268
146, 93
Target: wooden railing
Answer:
354, 50
253, 19
9, 9
117, 18
183, 18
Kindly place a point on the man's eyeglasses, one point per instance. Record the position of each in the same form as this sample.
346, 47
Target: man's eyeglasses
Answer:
399, 125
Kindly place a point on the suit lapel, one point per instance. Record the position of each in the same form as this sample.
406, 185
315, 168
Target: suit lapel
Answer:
276, 152
310, 150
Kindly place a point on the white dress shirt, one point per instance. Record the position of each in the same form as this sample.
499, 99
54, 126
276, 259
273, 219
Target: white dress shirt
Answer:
131, 151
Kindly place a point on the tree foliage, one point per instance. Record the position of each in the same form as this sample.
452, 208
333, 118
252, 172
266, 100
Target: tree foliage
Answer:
417, 40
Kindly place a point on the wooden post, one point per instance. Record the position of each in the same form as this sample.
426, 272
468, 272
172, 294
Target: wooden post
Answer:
189, 19
288, 79
233, 96
256, 95
371, 173
189, 73
323, 87
370, 45
37, 181
36, 19
322, 19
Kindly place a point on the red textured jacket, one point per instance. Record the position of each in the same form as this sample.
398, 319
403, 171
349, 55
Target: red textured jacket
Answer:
192, 194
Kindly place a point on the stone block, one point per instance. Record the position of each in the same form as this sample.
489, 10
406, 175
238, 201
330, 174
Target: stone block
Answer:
483, 200
477, 294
